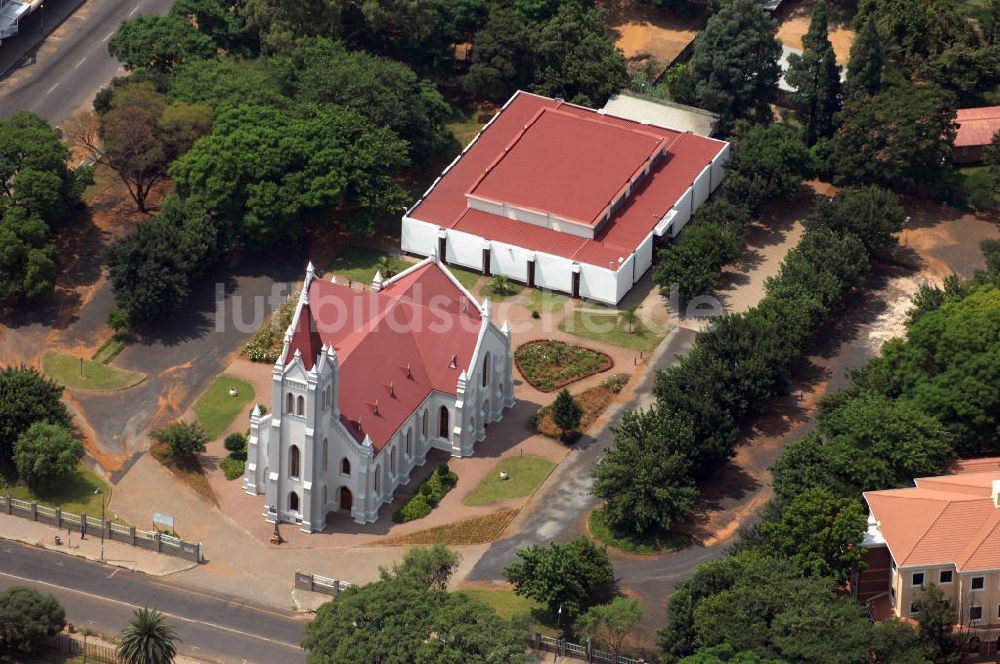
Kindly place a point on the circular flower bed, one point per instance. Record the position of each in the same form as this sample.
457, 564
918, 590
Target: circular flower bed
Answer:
549, 364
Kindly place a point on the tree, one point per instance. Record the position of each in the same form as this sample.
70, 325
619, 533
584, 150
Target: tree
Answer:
236, 443
147, 639
500, 284
819, 532
872, 214
501, 63
864, 68
915, 30
566, 412
26, 397
27, 618
898, 138
158, 43
269, 171
611, 623
222, 83
693, 263
935, 620
27, 260
630, 318
408, 616
133, 150
735, 62
768, 161
815, 77
33, 169
281, 24
151, 269
185, 440
46, 454
645, 476
726, 654
564, 577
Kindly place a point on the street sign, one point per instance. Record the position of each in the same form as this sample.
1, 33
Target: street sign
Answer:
164, 520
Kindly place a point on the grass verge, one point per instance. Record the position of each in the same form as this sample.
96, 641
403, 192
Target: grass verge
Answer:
359, 264
75, 494
511, 606
652, 543
109, 349
191, 473
524, 474
477, 530
549, 364
546, 302
83, 374
467, 278
513, 289
593, 401
610, 328
216, 410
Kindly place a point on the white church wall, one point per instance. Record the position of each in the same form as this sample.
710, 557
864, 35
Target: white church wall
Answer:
465, 249
598, 283
418, 237
509, 261
553, 272
702, 187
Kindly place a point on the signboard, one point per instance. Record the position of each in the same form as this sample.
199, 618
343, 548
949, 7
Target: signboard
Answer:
164, 520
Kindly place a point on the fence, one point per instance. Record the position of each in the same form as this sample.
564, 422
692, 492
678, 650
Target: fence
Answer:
320, 584
95, 649
577, 651
88, 525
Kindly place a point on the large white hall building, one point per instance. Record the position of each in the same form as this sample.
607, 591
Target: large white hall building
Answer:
565, 197
369, 382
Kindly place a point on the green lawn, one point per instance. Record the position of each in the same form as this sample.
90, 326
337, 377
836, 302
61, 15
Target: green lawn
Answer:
509, 605
513, 288
610, 328
653, 543
546, 302
75, 495
66, 369
216, 409
464, 132
109, 349
359, 264
467, 278
525, 473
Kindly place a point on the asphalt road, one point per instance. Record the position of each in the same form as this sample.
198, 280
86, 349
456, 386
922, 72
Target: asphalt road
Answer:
103, 598
73, 64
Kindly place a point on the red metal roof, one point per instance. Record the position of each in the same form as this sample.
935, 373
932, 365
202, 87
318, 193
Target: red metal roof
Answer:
395, 347
976, 126
589, 162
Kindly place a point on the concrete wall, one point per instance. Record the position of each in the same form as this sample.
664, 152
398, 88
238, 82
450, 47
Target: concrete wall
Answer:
643, 257
509, 260
465, 250
418, 237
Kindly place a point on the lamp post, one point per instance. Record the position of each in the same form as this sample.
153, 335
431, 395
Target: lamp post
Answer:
103, 522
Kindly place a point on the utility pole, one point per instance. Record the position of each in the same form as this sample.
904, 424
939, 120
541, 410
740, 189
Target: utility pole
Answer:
103, 522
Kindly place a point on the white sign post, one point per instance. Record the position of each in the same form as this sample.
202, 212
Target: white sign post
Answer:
164, 520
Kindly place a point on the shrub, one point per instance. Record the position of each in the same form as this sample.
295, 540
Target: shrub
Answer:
615, 383
27, 618
566, 412
414, 508
428, 495
233, 467
550, 364
185, 440
535, 314
236, 443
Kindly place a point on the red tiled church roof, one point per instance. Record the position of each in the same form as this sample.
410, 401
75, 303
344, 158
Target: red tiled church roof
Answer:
395, 347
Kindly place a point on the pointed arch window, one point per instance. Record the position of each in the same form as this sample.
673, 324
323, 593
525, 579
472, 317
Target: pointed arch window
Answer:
443, 422
294, 461
289, 403
486, 370
345, 466
326, 450
300, 405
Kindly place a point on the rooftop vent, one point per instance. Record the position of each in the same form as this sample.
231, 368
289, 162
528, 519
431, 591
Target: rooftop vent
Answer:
454, 362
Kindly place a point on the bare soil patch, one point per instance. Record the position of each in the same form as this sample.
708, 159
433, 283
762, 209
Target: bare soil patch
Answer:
477, 530
647, 35
795, 24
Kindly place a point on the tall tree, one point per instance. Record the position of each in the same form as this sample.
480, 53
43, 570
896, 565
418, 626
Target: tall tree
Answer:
501, 61
158, 43
46, 454
564, 577
27, 618
566, 412
816, 78
147, 639
27, 259
735, 62
33, 168
26, 397
864, 69
645, 476
611, 623
281, 24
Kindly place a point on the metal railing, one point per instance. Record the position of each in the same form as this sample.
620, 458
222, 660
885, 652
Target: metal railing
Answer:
586, 653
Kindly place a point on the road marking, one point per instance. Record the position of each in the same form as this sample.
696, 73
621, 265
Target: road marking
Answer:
134, 10
115, 572
56, 85
108, 36
170, 615
80, 62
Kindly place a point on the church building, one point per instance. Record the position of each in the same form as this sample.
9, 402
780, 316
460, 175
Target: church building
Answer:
367, 384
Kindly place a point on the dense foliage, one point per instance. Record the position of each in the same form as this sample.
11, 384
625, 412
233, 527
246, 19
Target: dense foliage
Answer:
815, 77
27, 618
408, 616
184, 439
46, 454
563, 577
147, 639
27, 397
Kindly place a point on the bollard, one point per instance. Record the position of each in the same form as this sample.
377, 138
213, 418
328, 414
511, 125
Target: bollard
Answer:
10, 505
34, 512
58, 518
131, 535
83, 526
159, 545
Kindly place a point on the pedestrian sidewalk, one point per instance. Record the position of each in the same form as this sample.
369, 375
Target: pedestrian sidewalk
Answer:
118, 554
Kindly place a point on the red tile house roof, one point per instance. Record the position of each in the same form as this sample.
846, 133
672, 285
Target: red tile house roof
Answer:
394, 347
976, 126
612, 179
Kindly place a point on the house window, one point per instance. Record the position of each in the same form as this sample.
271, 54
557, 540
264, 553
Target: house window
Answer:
345, 466
293, 461
300, 406
326, 449
976, 613
913, 609
945, 576
978, 582
289, 403
443, 422
918, 579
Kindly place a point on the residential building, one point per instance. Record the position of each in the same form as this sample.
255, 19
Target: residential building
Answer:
943, 531
368, 382
564, 197
976, 129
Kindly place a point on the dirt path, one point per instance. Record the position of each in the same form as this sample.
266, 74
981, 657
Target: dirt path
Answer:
794, 17
646, 34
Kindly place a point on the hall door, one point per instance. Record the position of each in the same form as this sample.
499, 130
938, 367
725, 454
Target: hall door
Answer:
346, 499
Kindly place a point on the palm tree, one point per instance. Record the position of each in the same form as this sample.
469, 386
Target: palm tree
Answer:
500, 284
630, 318
387, 266
148, 639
